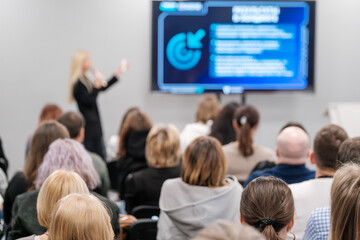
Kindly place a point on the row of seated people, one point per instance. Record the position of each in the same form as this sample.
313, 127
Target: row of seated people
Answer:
161, 147
204, 194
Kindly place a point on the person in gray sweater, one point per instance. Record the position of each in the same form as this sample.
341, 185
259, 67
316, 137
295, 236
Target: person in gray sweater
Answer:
201, 196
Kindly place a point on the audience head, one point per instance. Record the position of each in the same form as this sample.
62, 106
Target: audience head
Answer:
345, 203
49, 112
349, 151
326, 146
163, 146
293, 124
208, 108
268, 205
226, 230
135, 120
58, 185
293, 146
245, 123
222, 128
69, 155
204, 163
44, 135
75, 123
80, 216
80, 63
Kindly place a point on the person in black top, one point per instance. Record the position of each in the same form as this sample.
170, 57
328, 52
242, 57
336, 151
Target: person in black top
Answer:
163, 156
85, 92
131, 154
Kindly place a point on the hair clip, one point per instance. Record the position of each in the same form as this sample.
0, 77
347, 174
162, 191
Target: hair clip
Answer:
243, 120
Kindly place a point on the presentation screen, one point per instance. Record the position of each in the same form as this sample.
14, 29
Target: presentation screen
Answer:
232, 46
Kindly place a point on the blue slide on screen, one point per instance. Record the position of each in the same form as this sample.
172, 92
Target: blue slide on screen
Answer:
232, 46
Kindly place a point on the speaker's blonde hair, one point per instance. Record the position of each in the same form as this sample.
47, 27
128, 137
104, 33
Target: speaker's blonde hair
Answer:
163, 146
80, 217
345, 203
59, 184
76, 70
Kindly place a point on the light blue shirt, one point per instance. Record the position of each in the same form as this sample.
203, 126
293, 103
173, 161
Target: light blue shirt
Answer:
318, 225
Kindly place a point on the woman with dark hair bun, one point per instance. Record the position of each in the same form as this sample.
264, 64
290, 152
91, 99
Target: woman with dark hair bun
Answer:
222, 128
243, 154
268, 205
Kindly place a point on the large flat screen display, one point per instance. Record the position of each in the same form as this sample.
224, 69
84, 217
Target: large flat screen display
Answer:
232, 46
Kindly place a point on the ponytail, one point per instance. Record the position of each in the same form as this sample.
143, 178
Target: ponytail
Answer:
246, 118
245, 140
269, 233
267, 204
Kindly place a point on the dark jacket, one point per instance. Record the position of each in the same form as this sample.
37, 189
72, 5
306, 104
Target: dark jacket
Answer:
135, 158
143, 187
17, 186
25, 222
289, 173
86, 102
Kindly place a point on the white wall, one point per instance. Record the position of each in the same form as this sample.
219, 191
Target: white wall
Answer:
38, 37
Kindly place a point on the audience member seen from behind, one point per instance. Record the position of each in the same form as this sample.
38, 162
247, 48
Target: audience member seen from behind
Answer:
45, 134
315, 193
74, 122
345, 204
318, 224
222, 128
49, 112
112, 147
80, 216
267, 204
162, 154
207, 110
64, 154
58, 185
131, 155
243, 155
226, 230
202, 195
292, 151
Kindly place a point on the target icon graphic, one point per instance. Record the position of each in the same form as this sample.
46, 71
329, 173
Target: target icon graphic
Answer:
184, 49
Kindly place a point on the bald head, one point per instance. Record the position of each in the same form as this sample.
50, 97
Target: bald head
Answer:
293, 146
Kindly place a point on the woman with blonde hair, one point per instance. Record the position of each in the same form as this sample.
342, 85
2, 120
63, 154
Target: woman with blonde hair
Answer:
201, 195
207, 110
267, 204
85, 92
58, 185
243, 154
80, 216
66, 154
163, 156
341, 221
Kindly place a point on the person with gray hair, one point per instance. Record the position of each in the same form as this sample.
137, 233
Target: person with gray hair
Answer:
226, 230
75, 124
69, 155
292, 150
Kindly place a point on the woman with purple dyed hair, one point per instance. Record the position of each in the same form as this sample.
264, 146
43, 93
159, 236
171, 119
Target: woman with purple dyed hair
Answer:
66, 154
69, 155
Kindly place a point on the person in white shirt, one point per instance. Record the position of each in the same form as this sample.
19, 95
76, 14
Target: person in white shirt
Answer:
315, 193
207, 110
